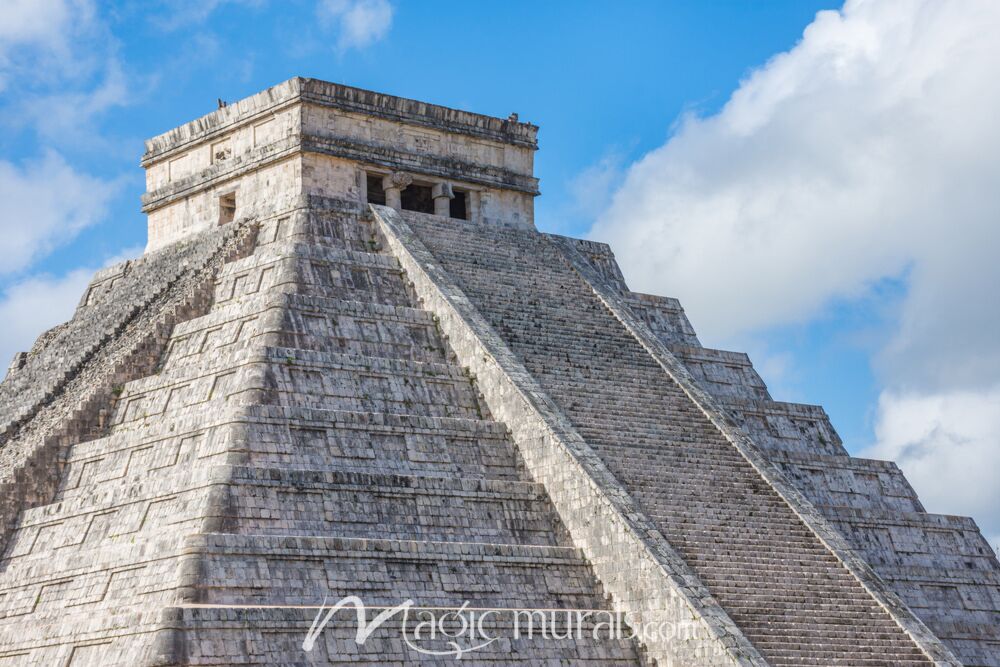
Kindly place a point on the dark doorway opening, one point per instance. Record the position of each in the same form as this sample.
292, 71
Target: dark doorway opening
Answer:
459, 207
417, 198
376, 195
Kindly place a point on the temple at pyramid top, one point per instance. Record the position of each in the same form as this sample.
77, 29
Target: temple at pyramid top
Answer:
308, 137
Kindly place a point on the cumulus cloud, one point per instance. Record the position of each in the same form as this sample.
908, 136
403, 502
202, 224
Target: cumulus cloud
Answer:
359, 23
22, 311
592, 188
36, 38
834, 165
35, 305
947, 443
868, 152
62, 59
45, 203
28, 21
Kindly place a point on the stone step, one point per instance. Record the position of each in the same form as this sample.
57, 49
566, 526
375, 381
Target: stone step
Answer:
265, 569
315, 323
355, 441
308, 252
337, 229
222, 328
118, 637
288, 502
270, 501
248, 635
295, 436
370, 384
113, 513
364, 329
300, 437
316, 271
793, 546
722, 373
116, 575
945, 576
974, 643
142, 447
786, 427
303, 377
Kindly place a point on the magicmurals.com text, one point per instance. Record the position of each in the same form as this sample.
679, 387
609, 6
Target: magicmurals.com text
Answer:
463, 630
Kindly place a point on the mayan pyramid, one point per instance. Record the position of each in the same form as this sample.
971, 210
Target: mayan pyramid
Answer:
349, 365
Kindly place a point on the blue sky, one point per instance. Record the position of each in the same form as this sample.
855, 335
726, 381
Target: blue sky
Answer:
742, 156
593, 81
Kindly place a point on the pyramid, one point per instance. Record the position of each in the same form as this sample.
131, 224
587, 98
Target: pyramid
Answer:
348, 369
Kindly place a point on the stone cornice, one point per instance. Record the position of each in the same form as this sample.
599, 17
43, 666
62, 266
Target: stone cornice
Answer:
221, 121
219, 172
349, 149
416, 112
345, 98
420, 163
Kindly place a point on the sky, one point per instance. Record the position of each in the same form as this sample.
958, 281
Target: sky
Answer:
816, 182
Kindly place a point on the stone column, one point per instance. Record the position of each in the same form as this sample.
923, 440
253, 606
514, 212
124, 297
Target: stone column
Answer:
442, 194
473, 201
394, 184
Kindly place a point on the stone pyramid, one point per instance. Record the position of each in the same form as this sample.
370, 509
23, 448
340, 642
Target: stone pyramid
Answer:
348, 365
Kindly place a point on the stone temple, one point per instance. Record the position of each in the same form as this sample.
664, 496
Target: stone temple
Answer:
349, 365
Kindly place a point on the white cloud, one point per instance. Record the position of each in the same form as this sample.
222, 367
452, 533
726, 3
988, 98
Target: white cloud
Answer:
35, 305
63, 60
869, 151
948, 444
36, 39
838, 163
43, 204
593, 187
28, 21
69, 116
359, 23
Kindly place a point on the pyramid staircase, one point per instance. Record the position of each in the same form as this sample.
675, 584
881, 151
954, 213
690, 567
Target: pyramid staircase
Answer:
785, 589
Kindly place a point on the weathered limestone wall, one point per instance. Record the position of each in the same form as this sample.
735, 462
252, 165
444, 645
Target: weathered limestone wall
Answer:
215, 153
363, 464
259, 193
115, 297
333, 178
